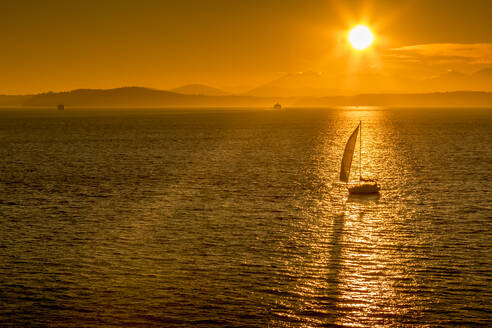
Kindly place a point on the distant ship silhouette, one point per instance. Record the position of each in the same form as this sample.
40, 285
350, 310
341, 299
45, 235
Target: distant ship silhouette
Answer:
277, 106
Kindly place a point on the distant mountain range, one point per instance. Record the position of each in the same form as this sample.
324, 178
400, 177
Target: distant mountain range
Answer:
297, 89
452, 80
302, 84
312, 84
436, 99
143, 97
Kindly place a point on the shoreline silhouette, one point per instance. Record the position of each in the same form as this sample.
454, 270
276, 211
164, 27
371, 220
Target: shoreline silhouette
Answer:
145, 97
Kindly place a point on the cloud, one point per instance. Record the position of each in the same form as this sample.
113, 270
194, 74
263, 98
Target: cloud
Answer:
444, 53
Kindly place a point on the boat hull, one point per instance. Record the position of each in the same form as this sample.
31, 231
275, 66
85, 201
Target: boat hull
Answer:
364, 189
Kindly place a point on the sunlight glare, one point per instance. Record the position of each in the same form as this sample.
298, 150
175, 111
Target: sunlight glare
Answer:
360, 37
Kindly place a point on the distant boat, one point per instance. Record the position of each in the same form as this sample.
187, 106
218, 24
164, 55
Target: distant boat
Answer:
61, 107
363, 186
277, 106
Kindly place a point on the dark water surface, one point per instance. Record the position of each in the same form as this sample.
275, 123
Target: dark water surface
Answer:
214, 218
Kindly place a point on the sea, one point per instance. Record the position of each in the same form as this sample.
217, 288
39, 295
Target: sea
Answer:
237, 218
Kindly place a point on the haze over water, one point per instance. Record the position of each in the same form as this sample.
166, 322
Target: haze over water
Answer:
236, 218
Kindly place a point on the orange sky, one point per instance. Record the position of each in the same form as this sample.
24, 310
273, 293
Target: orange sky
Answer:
236, 45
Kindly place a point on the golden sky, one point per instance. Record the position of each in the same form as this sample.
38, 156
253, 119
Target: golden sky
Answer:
232, 44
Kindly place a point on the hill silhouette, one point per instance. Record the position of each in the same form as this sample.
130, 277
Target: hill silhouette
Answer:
138, 97
127, 96
199, 89
13, 100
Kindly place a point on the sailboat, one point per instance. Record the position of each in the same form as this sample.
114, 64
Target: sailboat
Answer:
364, 186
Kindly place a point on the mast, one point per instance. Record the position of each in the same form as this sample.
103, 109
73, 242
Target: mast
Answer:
360, 151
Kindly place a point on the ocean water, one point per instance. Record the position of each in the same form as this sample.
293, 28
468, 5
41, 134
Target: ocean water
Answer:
236, 218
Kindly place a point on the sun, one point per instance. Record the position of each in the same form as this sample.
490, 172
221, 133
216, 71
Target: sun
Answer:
360, 37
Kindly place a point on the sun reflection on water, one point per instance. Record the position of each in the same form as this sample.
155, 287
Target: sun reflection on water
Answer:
355, 265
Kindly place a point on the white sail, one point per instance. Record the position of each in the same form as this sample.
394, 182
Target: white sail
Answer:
348, 154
